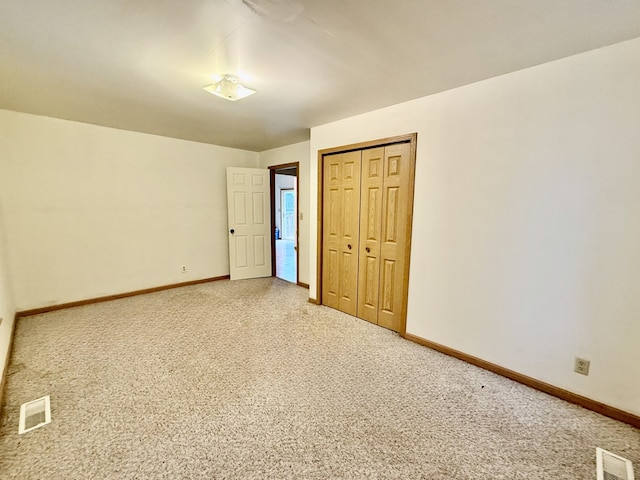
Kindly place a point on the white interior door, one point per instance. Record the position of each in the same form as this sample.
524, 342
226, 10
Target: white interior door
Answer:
249, 223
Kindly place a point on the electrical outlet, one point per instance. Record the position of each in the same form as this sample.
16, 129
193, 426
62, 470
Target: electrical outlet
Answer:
184, 268
581, 366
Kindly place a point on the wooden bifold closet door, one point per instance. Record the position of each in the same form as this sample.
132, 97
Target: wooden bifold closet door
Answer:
340, 231
367, 198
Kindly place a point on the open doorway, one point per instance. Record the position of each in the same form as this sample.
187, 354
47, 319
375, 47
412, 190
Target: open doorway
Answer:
284, 218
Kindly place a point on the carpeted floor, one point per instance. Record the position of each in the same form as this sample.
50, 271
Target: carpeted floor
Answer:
247, 380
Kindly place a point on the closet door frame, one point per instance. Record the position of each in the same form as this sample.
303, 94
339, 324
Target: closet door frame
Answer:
411, 139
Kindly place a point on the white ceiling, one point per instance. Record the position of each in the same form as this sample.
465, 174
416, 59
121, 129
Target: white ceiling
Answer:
141, 64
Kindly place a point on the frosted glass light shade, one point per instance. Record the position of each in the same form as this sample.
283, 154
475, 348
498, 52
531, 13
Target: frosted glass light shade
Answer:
229, 88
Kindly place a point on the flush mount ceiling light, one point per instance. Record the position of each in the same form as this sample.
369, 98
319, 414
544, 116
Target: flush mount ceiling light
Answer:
230, 88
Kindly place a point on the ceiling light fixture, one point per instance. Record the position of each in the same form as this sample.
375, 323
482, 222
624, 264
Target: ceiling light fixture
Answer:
230, 88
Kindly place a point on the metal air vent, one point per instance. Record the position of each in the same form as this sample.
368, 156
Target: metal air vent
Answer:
34, 414
612, 467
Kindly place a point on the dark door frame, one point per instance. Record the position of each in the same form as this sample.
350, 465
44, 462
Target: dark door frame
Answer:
273, 170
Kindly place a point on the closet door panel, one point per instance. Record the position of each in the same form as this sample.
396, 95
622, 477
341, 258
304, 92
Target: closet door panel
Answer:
350, 214
370, 227
394, 242
341, 197
331, 232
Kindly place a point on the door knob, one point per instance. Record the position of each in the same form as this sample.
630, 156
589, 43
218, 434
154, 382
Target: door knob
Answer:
232, 231
349, 246
368, 249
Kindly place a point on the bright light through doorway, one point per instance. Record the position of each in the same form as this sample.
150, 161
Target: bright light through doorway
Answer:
285, 260
285, 215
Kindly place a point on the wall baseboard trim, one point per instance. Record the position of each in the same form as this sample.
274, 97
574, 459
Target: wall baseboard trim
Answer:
62, 306
589, 404
314, 301
304, 285
7, 360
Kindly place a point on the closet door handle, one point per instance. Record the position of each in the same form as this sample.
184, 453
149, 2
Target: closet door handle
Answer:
368, 249
232, 231
349, 246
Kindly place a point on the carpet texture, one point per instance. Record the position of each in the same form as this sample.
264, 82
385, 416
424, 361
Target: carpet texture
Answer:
247, 380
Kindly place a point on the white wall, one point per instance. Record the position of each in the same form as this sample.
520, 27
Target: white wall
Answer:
526, 231
7, 309
298, 152
92, 211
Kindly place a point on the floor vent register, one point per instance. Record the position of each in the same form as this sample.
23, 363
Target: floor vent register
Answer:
612, 467
34, 414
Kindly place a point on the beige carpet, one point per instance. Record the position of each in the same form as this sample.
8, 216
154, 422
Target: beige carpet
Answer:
247, 380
